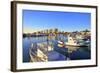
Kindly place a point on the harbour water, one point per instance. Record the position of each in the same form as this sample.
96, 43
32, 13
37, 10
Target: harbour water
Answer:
68, 52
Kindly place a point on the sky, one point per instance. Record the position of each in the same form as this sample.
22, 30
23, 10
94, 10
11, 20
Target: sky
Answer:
34, 20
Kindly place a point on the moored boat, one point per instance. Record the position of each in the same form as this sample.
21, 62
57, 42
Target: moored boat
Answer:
72, 41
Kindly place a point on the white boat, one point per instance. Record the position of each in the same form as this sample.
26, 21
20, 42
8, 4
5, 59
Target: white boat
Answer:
75, 42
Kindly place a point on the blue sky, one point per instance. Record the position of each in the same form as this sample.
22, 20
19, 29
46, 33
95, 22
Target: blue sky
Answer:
65, 21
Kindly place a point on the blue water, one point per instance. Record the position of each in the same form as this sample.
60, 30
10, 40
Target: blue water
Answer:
73, 53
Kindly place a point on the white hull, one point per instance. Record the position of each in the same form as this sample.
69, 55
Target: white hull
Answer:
78, 45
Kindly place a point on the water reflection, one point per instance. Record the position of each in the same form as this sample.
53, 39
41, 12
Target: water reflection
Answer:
68, 52
71, 48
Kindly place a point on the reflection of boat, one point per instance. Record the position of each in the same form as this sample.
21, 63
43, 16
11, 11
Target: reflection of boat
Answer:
71, 48
42, 52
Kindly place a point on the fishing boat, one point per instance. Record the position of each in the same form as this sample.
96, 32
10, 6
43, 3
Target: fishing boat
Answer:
73, 41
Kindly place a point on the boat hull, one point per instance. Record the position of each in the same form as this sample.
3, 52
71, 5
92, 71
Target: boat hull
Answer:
76, 45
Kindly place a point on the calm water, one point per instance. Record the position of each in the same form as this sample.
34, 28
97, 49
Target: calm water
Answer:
73, 53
